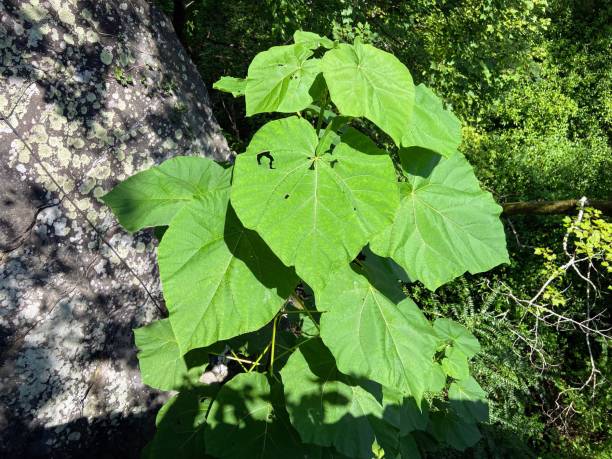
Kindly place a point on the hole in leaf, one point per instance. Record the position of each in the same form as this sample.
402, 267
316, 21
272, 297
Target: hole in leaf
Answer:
265, 154
286, 196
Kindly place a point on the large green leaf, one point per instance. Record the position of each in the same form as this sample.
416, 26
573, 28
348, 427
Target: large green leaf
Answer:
180, 425
219, 279
315, 212
468, 400
384, 274
247, 419
233, 85
154, 196
457, 335
445, 224
431, 126
280, 79
326, 407
369, 82
312, 40
402, 411
370, 336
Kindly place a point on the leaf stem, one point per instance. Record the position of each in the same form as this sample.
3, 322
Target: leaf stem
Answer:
239, 360
291, 349
273, 344
259, 358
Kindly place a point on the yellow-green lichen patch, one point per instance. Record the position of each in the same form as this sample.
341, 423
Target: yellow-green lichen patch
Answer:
33, 11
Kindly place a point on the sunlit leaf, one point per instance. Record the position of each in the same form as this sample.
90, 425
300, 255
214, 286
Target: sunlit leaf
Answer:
233, 85
456, 334
219, 279
455, 364
445, 225
431, 126
153, 197
366, 81
316, 212
312, 40
280, 79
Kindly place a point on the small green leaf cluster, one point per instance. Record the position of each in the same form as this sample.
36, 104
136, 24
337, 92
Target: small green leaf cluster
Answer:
306, 241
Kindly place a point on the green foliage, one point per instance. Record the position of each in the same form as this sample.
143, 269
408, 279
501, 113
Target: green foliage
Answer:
445, 224
364, 366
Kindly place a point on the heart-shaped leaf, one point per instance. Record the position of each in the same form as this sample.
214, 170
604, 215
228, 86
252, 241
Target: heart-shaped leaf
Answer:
445, 224
280, 79
219, 279
312, 40
455, 364
366, 81
153, 197
316, 212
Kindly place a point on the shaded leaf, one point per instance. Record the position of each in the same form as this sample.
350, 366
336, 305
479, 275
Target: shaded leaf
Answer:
247, 419
326, 407
315, 212
452, 430
402, 411
153, 197
431, 126
468, 400
445, 224
212, 269
409, 448
365, 81
372, 337
180, 425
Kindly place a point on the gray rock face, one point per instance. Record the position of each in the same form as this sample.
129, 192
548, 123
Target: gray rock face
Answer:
91, 92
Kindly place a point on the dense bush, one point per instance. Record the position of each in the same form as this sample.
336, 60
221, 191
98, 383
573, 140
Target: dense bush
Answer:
530, 80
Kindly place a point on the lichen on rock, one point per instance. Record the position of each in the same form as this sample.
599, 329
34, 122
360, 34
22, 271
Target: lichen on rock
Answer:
90, 93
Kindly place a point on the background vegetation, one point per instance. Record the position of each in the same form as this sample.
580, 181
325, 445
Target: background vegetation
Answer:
531, 81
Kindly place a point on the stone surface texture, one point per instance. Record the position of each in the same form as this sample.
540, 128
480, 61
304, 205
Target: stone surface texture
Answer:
91, 92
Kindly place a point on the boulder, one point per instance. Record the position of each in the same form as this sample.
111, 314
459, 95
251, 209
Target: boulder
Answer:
91, 92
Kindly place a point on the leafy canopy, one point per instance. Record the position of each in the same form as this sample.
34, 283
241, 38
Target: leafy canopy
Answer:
290, 266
